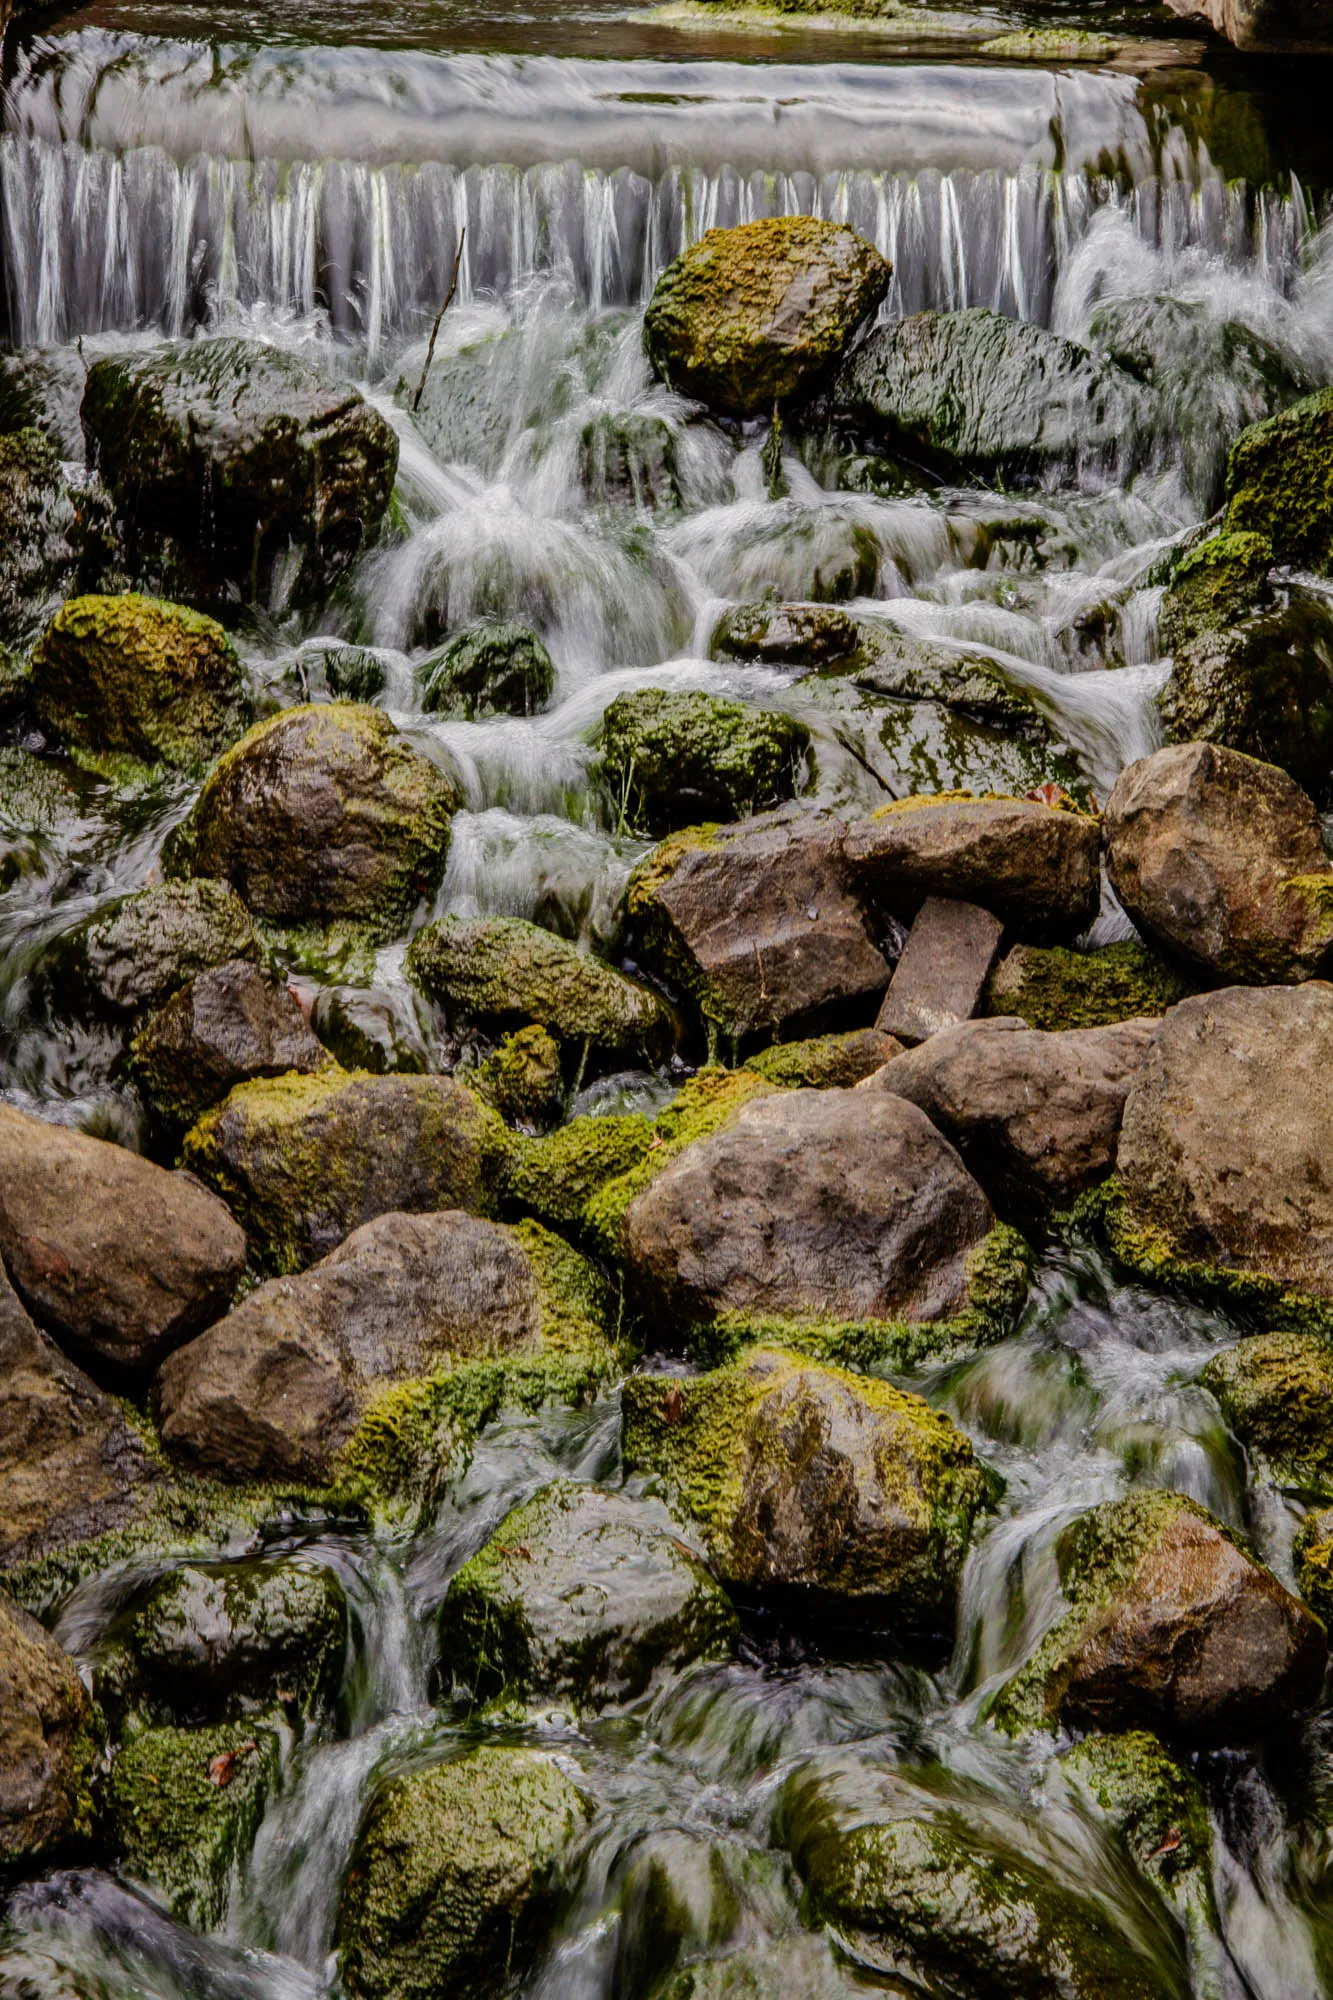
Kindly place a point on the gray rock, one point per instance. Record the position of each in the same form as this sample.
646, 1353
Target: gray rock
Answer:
786, 635
226, 1026
370, 1028
941, 976
47, 1743
136, 954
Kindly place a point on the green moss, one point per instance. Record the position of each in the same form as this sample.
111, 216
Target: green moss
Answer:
522, 1079
342, 951
1215, 586
1052, 45
1313, 1552
556, 1176
709, 1101
828, 1062
490, 669
1058, 988
1156, 1807
1276, 1393
670, 758
1280, 482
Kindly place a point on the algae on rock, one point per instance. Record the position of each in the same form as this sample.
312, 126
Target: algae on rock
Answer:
672, 760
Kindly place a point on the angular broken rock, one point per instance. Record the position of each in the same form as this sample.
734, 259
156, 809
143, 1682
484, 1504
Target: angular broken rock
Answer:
940, 978
837, 1203
1036, 1116
46, 1741
117, 1257
226, 1026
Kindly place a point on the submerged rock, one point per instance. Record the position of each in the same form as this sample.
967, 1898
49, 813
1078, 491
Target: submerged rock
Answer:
1171, 1628
48, 1745
813, 1485
45, 551
1276, 1393
1055, 989
237, 469
134, 955
371, 1028
630, 458
453, 1882
752, 316
581, 1594
228, 1025
1221, 859
1280, 483
786, 635
304, 1160
282, 1386
233, 1638
491, 669
674, 760
322, 813
130, 677
122, 1260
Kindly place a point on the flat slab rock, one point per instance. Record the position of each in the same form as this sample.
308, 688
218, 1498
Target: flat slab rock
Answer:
941, 976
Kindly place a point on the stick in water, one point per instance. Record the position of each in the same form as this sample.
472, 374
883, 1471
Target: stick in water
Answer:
435, 330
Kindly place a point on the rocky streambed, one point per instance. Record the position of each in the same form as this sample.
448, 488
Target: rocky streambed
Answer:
667, 1017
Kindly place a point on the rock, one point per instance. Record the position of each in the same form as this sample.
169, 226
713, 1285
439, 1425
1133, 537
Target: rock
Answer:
1276, 1393
1221, 860
45, 552
223, 455
794, 1964
72, 1467
226, 1026
322, 813
942, 973
176, 1825
753, 316
329, 672
1056, 988
1214, 586
1225, 1137
523, 1079
233, 1638
453, 1882
1169, 1628
279, 1388
499, 973
1313, 1552
131, 678
48, 1746
41, 389
963, 1894
120, 1259
824, 1489
1280, 483
133, 955
1002, 397
683, 1893
630, 458
836, 1204
786, 635
488, 670
304, 1160
832, 1062
757, 923
1034, 866
674, 760
584, 1595
1036, 1116
371, 1028
1299, 27
906, 668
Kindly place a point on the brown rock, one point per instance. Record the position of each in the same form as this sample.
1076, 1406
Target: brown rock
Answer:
116, 1256
46, 1741
1032, 865
839, 1203
1220, 858
226, 1026
941, 976
1035, 1116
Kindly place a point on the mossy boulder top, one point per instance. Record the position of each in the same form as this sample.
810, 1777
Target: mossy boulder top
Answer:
752, 316
812, 1483
1216, 585
322, 812
1056, 988
220, 455
501, 973
490, 669
47, 1743
131, 677
673, 760
1276, 1393
134, 954
1280, 482
584, 1595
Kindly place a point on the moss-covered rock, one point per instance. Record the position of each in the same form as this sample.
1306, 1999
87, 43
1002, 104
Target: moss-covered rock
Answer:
1314, 1562
1215, 586
46, 554
1276, 1393
797, 1963
490, 669
786, 635
48, 1743
1056, 988
557, 1176
130, 678
751, 316
500, 973
672, 760
683, 1894
325, 671
371, 1028
523, 1079
134, 954
456, 1874
180, 1809
320, 813
629, 458
226, 1026
581, 1595
829, 1062
813, 1484
1280, 482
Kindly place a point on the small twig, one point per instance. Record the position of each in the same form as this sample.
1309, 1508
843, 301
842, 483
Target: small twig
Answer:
435, 330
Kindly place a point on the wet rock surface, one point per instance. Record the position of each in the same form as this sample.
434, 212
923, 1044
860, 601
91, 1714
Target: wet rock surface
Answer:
676, 760
48, 1744
489, 670
1276, 1393
942, 973
240, 1639
1280, 483
134, 956
227, 1026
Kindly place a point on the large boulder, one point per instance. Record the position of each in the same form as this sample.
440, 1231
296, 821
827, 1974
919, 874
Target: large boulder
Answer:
752, 316
814, 1486
1002, 397
135, 954
583, 1595
757, 923
1280, 483
1276, 1393
1221, 860
454, 1879
120, 1259
1035, 1116
675, 760
1225, 1139
132, 678
501, 973
280, 1387
47, 1743
226, 459
490, 669
1170, 1627
835, 1204
1033, 865
228, 1025
304, 1160
320, 813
